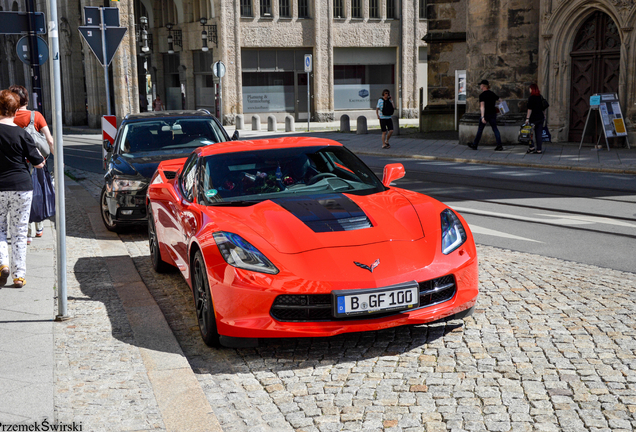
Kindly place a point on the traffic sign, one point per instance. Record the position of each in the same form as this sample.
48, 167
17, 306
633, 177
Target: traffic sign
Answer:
24, 54
308, 63
109, 128
92, 16
219, 69
93, 36
18, 23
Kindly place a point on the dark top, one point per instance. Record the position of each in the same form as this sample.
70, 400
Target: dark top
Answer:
490, 99
16, 146
535, 104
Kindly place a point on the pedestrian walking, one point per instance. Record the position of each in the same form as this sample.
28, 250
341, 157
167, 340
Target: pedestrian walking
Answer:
157, 105
488, 109
143, 103
384, 110
535, 118
16, 189
23, 119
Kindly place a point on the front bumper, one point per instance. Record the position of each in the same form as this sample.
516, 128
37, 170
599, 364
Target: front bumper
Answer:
127, 207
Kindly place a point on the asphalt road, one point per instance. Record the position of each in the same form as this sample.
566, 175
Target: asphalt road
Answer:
577, 216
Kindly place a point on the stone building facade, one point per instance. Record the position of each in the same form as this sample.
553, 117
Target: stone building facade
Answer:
358, 47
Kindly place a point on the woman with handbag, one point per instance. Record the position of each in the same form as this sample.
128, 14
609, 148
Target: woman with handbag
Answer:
28, 120
16, 189
535, 117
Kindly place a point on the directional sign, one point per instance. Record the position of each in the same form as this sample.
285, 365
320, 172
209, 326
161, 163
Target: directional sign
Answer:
18, 23
24, 54
219, 69
93, 36
109, 128
308, 63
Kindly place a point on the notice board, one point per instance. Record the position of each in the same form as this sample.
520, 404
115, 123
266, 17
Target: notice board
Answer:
611, 115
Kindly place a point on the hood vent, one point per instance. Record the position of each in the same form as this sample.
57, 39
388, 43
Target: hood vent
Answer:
326, 213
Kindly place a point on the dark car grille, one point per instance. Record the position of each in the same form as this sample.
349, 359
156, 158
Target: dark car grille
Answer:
170, 174
318, 307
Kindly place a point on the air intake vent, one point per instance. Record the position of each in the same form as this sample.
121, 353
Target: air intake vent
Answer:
170, 174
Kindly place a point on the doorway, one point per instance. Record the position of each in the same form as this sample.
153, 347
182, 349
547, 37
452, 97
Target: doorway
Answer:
595, 68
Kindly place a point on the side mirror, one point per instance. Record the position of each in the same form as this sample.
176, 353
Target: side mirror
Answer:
235, 135
392, 172
108, 146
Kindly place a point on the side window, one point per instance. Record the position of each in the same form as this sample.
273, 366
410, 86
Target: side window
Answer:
187, 178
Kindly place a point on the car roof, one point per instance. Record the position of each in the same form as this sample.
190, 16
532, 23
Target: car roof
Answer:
163, 114
265, 144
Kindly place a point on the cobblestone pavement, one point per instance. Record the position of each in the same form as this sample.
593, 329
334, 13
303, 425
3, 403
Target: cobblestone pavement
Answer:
551, 347
100, 378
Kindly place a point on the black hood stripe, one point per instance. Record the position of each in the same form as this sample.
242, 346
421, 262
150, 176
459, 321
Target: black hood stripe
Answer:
327, 212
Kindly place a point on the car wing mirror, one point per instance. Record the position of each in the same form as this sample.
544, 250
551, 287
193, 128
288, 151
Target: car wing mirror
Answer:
235, 135
393, 172
108, 146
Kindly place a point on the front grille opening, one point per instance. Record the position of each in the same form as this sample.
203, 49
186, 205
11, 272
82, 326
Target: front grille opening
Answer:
318, 307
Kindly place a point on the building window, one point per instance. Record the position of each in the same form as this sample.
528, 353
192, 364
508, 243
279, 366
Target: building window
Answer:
356, 8
303, 8
422, 9
266, 8
390, 9
284, 8
338, 9
246, 8
374, 9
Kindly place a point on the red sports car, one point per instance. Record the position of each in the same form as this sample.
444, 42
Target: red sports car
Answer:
297, 237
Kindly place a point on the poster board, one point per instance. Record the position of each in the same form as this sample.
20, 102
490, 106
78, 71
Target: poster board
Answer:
460, 91
611, 115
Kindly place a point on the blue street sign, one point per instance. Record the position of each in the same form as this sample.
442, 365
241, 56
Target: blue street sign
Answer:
24, 54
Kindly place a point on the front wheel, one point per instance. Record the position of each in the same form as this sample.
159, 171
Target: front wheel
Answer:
203, 302
158, 264
107, 218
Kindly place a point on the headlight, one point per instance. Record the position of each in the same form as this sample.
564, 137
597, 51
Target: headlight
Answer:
453, 233
239, 253
122, 184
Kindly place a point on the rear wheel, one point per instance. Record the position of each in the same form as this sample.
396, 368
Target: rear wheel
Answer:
107, 218
203, 302
158, 264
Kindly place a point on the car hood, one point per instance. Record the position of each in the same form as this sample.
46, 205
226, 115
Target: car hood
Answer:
300, 224
143, 164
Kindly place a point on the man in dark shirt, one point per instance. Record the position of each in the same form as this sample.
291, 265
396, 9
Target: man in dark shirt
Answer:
487, 102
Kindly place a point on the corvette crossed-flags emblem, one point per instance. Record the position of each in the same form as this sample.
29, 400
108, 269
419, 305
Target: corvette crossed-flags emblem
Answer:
366, 267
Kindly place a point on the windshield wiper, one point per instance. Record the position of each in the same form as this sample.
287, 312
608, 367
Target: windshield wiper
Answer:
246, 203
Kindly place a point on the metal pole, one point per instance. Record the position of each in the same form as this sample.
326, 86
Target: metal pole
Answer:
102, 28
220, 96
60, 209
308, 104
35, 59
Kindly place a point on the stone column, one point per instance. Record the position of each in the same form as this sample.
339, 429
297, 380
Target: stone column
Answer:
229, 52
503, 47
124, 64
322, 90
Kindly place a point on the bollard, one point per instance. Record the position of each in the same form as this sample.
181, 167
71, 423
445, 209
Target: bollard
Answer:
271, 123
396, 125
256, 122
361, 128
345, 123
290, 123
240, 122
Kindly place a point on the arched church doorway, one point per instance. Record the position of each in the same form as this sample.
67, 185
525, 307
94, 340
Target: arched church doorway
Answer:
595, 67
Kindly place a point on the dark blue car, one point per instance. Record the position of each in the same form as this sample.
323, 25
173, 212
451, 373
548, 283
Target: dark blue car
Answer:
143, 140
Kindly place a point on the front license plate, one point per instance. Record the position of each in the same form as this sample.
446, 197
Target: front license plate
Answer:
377, 300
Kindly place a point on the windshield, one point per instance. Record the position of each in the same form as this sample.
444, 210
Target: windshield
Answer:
260, 175
179, 135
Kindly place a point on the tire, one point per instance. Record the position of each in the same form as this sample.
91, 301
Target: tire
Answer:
158, 264
107, 218
203, 302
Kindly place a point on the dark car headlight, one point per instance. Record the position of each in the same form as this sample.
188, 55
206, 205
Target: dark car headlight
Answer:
125, 184
239, 253
453, 232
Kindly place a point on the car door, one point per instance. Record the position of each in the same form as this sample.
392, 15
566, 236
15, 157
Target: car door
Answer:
183, 212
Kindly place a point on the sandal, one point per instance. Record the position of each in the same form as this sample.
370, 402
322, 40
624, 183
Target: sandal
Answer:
386, 146
538, 152
4, 274
19, 282
530, 150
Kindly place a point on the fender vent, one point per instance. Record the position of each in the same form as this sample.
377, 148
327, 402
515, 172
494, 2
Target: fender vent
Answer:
170, 174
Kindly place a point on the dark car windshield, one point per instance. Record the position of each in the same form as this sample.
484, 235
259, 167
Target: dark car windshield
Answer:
254, 176
180, 135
